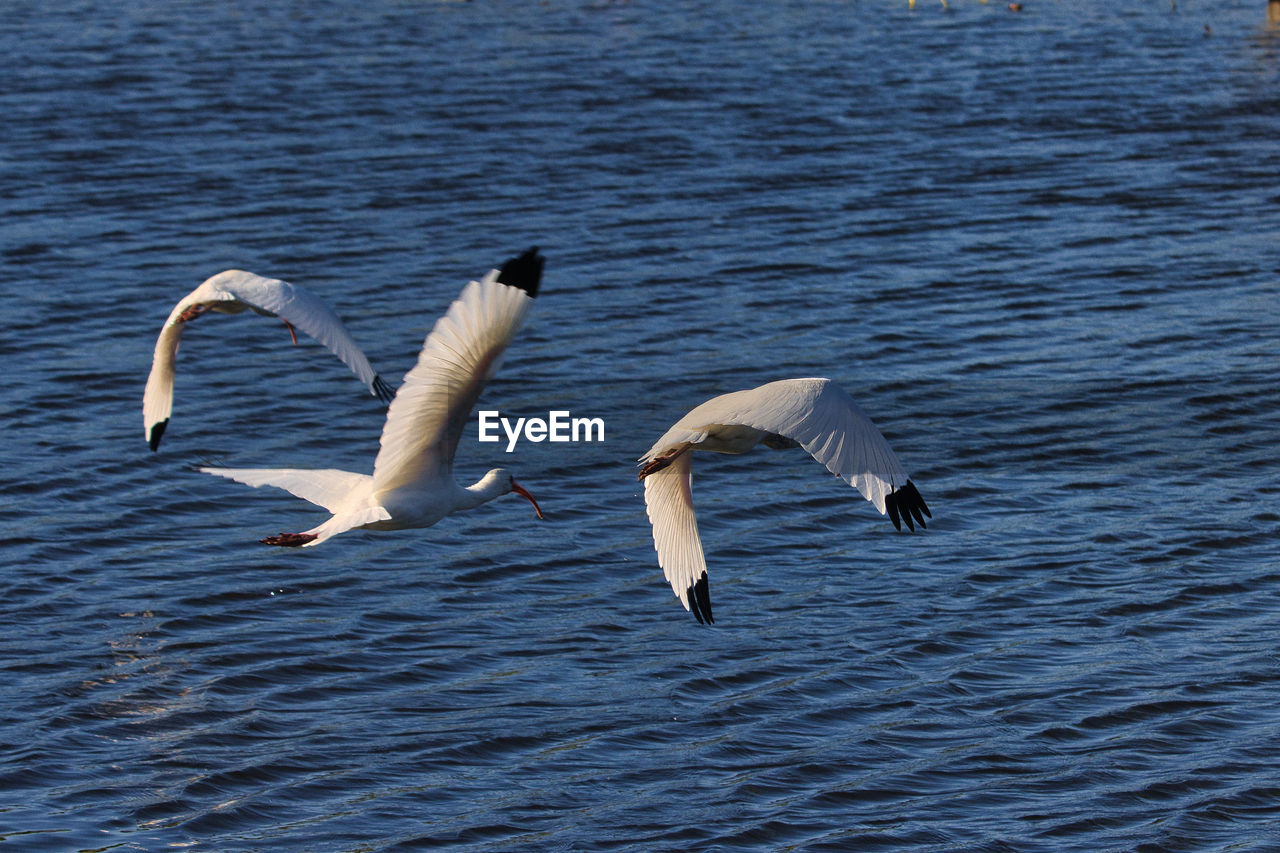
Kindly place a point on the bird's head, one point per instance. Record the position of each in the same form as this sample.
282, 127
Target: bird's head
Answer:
500, 481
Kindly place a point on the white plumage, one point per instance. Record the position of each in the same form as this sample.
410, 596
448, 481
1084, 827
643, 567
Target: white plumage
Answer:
231, 292
815, 414
412, 483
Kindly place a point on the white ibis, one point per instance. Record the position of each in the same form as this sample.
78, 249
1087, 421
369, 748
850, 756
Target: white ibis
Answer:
231, 292
412, 483
814, 414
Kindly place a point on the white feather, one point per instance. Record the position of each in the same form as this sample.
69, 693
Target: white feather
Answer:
232, 292
816, 413
459, 357
668, 500
412, 483
324, 487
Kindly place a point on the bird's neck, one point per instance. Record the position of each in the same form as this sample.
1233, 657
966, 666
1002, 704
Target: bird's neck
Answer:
478, 494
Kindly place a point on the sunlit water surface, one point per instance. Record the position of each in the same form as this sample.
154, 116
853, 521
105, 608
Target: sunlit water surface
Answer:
1041, 249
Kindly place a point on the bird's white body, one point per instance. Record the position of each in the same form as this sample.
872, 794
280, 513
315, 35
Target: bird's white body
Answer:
412, 482
234, 291
815, 414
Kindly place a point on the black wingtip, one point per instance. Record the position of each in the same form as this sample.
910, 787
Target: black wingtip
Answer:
907, 504
699, 598
920, 500
156, 432
382, 390
524, 271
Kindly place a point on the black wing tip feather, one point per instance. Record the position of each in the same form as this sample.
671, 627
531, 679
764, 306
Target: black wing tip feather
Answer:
157, 432
906, 504
382, 390
699, 597
524, 271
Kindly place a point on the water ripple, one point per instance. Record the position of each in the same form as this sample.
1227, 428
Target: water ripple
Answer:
1038, 248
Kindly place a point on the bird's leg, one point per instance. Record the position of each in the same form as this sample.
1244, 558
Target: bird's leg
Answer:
192, 312
289, 540
773, 441
291, 333
659, 462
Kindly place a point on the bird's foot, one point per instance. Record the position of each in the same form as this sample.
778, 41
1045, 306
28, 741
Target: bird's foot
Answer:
292, 334
651, 466
773, 441
657, 464
192, 312
289, 540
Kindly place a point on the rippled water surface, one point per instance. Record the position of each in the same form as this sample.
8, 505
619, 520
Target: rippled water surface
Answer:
1041, 249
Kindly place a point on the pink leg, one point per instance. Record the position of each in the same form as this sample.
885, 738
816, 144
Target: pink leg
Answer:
659, 462
192, 312
289, 540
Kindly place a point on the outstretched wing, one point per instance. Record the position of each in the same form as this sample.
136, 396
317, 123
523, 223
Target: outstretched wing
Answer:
668, 500
306, 311
157, 399
235, 290
826, 422
458, 358
814, 413
326, 487
345, 494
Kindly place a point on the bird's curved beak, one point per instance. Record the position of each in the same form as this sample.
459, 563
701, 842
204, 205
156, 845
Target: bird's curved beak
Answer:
524, 493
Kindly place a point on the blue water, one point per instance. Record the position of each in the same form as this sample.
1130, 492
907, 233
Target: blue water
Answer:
1041, 249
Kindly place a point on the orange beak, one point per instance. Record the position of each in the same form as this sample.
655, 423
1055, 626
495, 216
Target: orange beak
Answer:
524, 493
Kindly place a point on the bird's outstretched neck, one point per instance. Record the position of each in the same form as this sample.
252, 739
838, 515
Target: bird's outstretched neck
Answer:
494, 484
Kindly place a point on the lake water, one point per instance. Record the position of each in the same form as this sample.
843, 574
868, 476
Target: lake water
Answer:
1041, 249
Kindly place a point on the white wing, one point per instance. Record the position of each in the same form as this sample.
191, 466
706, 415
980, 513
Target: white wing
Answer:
326, 487
816, 414
157, 399
306, 311
345, 494
233, 291
668, 499
458, 358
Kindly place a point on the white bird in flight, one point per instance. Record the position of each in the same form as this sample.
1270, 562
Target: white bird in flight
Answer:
231, 292
412, 483
814, 414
